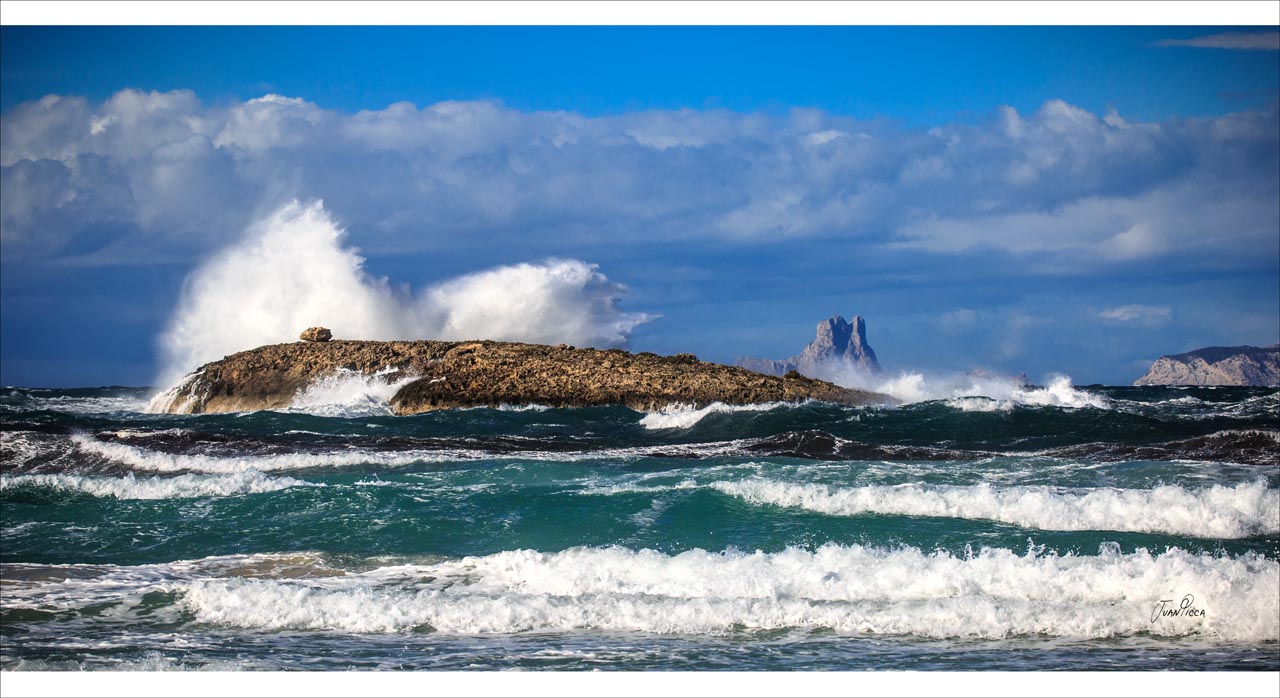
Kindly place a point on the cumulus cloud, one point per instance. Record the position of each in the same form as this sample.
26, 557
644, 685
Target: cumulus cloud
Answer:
1148, 315
167, 174
1256, 41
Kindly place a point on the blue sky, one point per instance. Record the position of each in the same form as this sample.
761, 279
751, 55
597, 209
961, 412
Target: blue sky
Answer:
919, 75
1059, 199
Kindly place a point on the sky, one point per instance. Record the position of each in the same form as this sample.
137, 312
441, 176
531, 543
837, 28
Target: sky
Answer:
1075, 200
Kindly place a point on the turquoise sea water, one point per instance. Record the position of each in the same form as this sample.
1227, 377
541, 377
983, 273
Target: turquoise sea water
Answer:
1140, 530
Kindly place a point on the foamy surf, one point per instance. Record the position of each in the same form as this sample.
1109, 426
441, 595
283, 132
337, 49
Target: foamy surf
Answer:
179, 487
98, 405
846, 589
961, 393
171, 400
159, 461
293, 267
685, 416
1247, 509
428, 523
974, 392
349, 393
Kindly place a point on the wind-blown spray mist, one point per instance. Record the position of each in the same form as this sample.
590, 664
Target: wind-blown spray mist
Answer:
292, 271
1003, 392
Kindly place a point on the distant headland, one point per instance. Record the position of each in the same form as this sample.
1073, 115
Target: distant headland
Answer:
1243, 365
444, 375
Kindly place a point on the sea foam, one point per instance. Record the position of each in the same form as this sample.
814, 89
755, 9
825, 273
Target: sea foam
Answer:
685, 416
159, 461
960, 391
853, 589
181, 486
293, 269
164, 462
1247, 509
349, 393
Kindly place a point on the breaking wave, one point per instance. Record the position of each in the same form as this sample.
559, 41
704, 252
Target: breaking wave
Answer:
132, 487
1247, 509
967, 392
685, 416
350, 393
159, 461
292, 270
846, 589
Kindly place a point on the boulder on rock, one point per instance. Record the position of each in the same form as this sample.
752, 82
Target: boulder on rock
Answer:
316, 334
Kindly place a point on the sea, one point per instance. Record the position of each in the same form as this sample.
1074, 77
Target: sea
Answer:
1058, 528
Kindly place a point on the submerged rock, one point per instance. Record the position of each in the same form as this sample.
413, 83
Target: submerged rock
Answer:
1244, 365
316, 334
487, 373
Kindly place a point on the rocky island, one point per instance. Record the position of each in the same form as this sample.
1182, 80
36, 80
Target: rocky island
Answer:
1244, 365
444, 375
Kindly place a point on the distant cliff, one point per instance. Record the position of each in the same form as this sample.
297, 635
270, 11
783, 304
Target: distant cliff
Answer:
837, 344
1217, 366
448, 375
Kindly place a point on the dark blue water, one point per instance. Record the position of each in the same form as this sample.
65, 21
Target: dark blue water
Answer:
1045, 530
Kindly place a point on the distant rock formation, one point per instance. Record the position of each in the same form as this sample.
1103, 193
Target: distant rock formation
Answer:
316, 334
1217, 366
983, 374
837, 344
484, 373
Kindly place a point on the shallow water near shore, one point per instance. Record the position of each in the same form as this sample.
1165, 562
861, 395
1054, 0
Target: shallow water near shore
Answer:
1111, 529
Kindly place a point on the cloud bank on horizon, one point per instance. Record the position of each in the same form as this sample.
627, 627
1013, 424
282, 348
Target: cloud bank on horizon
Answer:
166, 173
162, 176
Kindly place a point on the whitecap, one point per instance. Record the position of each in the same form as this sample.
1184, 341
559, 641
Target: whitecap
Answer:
159, 461
848, 589
1244, 510
680, 416
348, 393
181, 486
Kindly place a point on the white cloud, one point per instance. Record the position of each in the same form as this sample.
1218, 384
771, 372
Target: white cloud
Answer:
1191, 216
166, 173
820, 138
1257, 41
1148, 315
271, 121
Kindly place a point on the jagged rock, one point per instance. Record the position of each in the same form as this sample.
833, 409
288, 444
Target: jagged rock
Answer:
837, 345
316, 334
1244, 365
487, 373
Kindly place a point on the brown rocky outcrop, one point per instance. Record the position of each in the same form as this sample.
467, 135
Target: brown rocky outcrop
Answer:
488, 373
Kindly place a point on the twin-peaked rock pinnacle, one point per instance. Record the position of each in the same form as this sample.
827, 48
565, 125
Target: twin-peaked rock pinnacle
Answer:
837, 345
